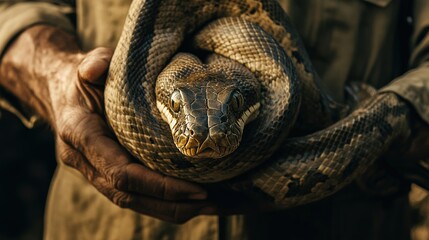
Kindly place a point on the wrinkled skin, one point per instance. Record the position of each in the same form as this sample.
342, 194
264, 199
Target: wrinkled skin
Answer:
65, 87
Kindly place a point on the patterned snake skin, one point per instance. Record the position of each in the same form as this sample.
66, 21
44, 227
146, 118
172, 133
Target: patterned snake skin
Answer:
209, 90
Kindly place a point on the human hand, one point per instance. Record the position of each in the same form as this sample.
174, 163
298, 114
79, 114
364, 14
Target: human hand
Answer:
46, 70
85, 142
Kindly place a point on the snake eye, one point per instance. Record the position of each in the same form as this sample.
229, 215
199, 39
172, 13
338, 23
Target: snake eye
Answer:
237, 100
175, 101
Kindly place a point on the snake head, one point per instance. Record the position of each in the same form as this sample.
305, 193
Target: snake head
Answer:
207, 105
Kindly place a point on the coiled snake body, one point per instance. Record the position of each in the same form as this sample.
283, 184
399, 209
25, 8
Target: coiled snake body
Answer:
225, 105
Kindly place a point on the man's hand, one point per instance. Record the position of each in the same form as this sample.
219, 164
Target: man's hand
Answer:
85, 143
46, 70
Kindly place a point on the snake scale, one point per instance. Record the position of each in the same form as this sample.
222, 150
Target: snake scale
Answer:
209, 90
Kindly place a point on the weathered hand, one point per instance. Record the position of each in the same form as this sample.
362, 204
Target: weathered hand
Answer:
85, 142
66, 87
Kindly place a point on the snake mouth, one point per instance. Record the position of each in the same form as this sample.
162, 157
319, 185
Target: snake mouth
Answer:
206, 152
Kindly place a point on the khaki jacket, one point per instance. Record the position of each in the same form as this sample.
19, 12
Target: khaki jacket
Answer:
381, 42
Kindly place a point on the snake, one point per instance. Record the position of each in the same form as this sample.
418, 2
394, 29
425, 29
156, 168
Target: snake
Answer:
217, 90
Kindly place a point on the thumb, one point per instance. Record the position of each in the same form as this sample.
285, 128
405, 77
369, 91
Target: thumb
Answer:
92, 73
94, 66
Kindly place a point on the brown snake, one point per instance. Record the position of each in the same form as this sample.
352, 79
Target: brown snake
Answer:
225, 104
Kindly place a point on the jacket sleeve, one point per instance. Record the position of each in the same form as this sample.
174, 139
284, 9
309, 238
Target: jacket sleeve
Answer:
16, 16
413, 86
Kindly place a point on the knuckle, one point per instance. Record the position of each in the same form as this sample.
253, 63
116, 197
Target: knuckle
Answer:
74, 132
118, 177
121, 199
68, 157
90, 175
73, 159
64, 132
66, 129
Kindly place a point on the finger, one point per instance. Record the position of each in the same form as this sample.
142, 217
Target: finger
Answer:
127, 176
165, 210
91, 78
91, 137
158, 185
95, 65
74, 159
177, 212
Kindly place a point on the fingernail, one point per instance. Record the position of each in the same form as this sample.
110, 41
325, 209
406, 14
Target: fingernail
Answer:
197, 196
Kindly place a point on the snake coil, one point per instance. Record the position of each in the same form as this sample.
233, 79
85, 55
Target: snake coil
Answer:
208, 90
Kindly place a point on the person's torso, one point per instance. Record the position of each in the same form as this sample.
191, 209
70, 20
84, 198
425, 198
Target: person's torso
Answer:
347, 40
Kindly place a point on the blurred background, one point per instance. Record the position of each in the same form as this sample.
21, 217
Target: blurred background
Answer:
27, 163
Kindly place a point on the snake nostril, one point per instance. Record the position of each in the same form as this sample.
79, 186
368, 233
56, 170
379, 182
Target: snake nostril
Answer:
191, 132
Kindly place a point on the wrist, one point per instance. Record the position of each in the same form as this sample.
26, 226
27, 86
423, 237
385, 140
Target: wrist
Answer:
36, 63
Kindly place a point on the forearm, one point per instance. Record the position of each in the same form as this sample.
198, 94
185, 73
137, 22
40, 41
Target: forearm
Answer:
34, 65
44, 68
